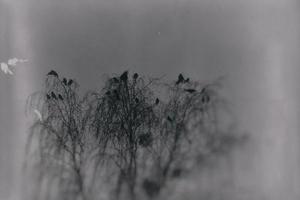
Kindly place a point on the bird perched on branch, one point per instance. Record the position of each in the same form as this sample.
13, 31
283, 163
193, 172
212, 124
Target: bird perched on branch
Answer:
190, 90
180, 79
135, 76
124, 76
169, 119
136, 100
53, 95
156, 101
70, 82
52, 73
48, 96
65, 82
60, 97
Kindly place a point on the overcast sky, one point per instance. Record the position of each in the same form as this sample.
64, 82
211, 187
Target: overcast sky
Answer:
254, 44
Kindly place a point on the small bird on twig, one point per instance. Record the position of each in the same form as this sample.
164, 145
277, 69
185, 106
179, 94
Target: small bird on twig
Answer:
60, 97
156, 101
65, 82
52, 73
70, 82
180, 79
53, 95
48, 96
169, 119
135, 76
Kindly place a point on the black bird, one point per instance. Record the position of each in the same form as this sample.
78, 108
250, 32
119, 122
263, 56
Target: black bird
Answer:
60, 97
53, 73
190, 90
135, 76
70, 82
169, 119
180, 79
48, 96
65, 81
187, 80
124, 76
53, 95
157, 101
136, 100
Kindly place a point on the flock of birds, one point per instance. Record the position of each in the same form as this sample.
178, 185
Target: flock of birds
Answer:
114, 94
66, 82
52, 95
6, 67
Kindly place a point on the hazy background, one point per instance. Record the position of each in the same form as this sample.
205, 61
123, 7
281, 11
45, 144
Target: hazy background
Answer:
254, 44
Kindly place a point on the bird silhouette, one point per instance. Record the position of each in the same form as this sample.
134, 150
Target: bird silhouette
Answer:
156, 101
60, 97
180, 79
5, 69
70, 82
38, 114
53, 95
65, 82
53, 73
135, 76
48, 96
124, 76
190, 90
169, 119
136, 100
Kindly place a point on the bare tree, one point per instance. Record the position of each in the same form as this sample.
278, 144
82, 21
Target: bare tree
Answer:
123, 136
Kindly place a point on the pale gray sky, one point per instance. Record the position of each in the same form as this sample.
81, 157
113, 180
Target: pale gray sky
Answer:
255, 44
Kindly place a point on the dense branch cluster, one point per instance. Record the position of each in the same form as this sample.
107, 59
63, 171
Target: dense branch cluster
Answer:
123, 141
